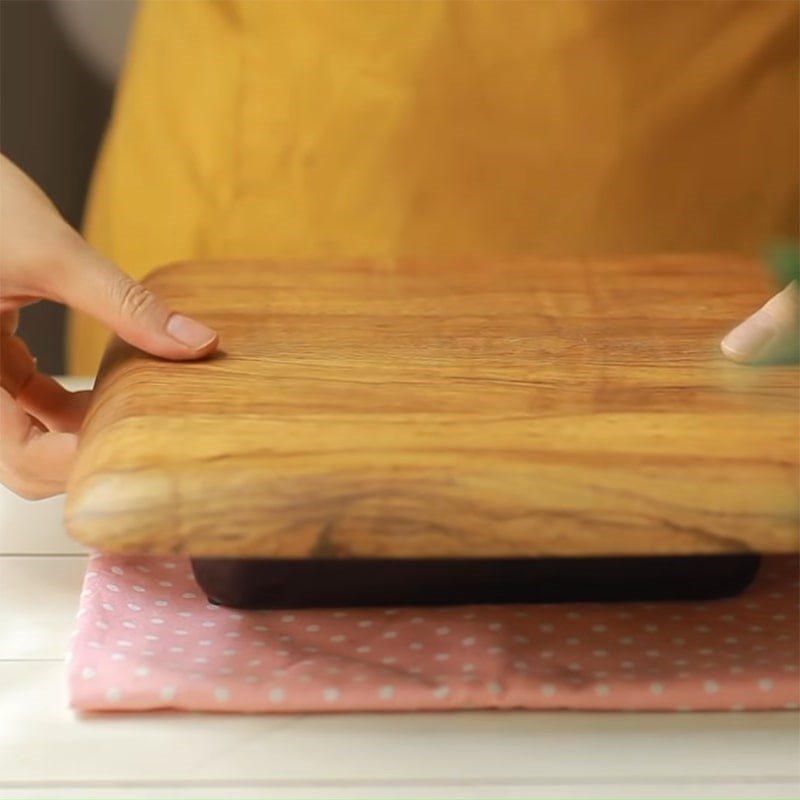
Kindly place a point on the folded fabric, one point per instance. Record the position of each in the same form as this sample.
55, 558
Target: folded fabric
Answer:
147, 638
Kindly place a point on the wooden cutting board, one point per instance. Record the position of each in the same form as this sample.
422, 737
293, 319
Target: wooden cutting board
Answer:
446, 409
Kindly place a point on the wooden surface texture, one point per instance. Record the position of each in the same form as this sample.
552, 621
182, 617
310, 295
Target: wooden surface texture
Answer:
447, 409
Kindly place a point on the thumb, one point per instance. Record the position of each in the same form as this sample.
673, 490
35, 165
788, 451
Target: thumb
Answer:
94, 285
772, 334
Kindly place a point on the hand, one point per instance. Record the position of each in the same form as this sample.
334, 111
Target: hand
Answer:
772, 334
42, 257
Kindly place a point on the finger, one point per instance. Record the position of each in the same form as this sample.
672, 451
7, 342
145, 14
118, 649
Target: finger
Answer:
769, 335
97, 287
17, 365
37, 394
48, 401
9, 322
34, 463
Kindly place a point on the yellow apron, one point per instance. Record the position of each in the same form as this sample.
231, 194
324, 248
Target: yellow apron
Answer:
296, 129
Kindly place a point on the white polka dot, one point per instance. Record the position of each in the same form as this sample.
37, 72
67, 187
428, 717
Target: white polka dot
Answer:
388, 660
365, 623
766, 684
230, 651
547, 653
168, 692
141, 672
102, 625
679, 641
143, 569
573, 615
522, 639
128, 624
117, 570
112, 587
114, 694
331, 695
790, 667
87, 673
573, 641
288, 618
656, 688
442, 657
277, 694
386, 692
651, 628
151, 637
495, 688
161, 603
602, 689
652, 653
365, 648
201, 660
599, 628
468, 642
134, 607
389, 635
106, 606
225, 670
416, 646
710, 687
441, 692
443, 631
549, 689
137, 588
546, 627
157, 620
260, 628
468, 668
600, 653
496, 651
221, 694
495, 626
312, 628
168, 565
625, 640
417, 620
233, 634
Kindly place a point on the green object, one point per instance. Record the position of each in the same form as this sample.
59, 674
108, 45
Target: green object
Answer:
784, 258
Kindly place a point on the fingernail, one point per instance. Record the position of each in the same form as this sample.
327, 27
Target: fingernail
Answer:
189, 332
748, 340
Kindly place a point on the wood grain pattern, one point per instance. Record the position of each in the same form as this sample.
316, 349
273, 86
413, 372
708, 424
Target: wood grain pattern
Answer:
447, 409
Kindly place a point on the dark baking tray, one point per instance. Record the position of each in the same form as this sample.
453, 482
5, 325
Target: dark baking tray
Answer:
272, 583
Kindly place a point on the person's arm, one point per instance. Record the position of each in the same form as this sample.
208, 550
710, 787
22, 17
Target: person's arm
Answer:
42, 257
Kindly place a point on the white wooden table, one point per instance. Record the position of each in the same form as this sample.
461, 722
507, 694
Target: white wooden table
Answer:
46, 751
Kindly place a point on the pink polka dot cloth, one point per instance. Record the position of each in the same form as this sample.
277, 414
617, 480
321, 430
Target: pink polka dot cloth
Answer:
146, 638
